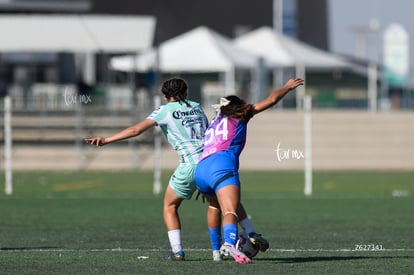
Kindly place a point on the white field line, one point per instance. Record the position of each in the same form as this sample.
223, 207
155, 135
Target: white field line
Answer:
280, 250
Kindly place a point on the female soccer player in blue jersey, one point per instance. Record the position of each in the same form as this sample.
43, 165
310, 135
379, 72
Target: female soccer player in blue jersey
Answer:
183, 122
217, 175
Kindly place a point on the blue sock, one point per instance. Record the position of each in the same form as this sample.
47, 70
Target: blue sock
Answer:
215, 238
230, 233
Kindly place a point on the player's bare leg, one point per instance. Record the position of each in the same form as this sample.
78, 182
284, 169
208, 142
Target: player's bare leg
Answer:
214, 227
229, 200
172, 222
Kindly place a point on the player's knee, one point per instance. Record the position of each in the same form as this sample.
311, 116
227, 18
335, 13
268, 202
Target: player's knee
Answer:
168, 208
214, 208
231, 213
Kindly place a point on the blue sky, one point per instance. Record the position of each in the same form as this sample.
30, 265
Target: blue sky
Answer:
346, 15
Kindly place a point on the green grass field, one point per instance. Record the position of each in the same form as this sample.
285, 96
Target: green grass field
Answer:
111, 223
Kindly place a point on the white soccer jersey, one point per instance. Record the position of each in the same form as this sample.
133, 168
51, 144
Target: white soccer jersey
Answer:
184, 128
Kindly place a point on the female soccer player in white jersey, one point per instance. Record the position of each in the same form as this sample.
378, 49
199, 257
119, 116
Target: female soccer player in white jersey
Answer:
217, 175
184, 123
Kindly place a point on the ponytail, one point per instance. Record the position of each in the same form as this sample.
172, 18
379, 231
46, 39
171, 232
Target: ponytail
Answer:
237, 108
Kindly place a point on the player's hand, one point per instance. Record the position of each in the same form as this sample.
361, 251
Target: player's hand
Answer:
98, 141
294, 83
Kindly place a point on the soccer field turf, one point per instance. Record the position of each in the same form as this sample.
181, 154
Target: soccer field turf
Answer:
110, 222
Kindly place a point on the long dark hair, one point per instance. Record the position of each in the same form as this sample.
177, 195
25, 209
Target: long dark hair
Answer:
237, 108
175, 88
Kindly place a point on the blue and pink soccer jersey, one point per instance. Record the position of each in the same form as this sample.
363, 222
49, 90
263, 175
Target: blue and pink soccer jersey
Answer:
224, 134
224, 140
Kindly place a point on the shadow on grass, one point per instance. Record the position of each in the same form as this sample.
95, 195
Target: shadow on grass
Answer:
328, 259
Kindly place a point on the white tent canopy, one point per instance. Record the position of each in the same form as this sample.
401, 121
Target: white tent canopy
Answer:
279, 50
75, 33
199, 50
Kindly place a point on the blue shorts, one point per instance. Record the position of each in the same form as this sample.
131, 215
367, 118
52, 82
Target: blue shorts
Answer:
217, 171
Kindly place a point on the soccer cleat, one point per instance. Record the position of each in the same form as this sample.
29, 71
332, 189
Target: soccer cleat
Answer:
230, 250
258, 240
178, 256
217, 257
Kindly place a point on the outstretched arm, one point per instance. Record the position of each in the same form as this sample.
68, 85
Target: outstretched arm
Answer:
129, 132
277, 95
